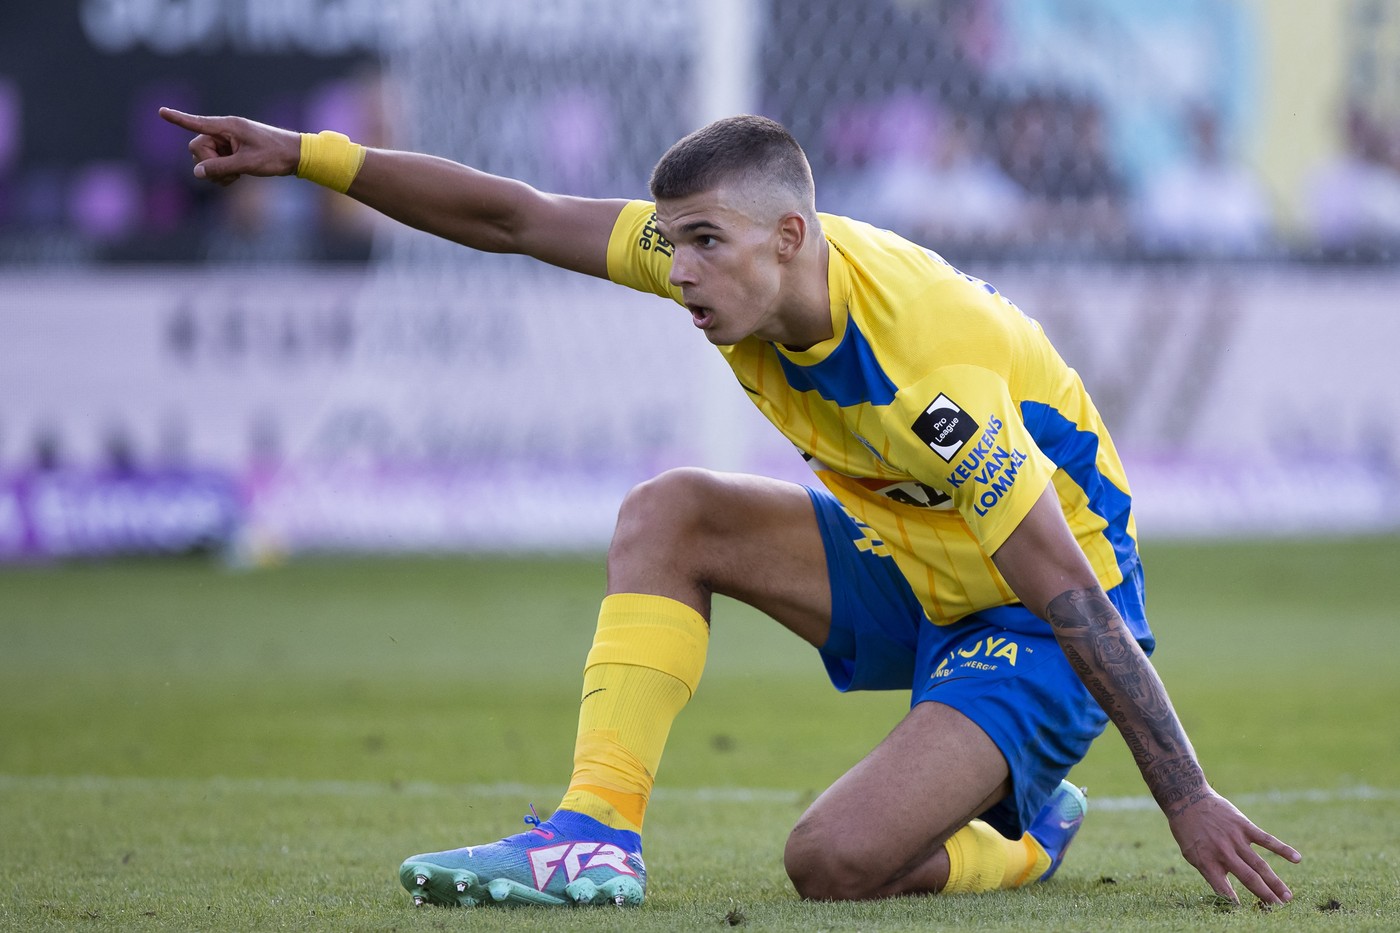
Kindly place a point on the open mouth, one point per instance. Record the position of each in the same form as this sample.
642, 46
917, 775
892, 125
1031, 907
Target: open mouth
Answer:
701, 316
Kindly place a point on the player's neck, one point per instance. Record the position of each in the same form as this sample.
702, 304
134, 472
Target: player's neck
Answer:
805, 316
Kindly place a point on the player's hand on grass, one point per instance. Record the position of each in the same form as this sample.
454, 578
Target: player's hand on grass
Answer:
230, 147
1219, 841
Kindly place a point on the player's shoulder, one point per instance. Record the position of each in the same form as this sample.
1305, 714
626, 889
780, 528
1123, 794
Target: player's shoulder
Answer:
890, 275
892, 264
866, 242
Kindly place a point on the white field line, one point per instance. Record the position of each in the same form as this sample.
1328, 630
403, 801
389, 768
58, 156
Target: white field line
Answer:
290, 787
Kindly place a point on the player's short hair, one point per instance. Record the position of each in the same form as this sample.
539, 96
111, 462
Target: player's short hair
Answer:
745, 148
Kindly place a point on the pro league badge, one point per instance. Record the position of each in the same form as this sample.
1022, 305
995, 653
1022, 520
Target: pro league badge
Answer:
944, 427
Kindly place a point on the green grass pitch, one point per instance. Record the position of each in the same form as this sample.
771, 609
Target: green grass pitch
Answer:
184, 747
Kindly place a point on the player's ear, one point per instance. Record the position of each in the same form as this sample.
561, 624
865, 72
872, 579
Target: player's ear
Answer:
792, 233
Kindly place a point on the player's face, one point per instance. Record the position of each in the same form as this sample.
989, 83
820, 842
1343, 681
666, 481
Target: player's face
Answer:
725, 263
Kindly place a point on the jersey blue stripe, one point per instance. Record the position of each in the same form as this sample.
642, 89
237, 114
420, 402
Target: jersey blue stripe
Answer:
848, 376
1076, 452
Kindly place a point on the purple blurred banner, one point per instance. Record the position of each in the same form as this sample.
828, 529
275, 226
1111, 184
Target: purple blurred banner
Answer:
80, 513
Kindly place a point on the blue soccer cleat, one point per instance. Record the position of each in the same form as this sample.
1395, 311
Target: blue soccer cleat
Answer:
1055, 826
565, 860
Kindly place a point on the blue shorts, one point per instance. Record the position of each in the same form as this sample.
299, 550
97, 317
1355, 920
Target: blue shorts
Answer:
1002, 667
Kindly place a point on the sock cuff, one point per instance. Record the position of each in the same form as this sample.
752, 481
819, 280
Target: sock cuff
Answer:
973, 866
957, 882
654, 632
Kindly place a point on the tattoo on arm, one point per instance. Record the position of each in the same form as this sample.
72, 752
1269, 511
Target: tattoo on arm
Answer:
1112, 666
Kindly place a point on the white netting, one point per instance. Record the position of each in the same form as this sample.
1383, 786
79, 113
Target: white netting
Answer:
1061, 128
574, 98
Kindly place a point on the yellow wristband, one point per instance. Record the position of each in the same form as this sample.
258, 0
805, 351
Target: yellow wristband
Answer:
330, 159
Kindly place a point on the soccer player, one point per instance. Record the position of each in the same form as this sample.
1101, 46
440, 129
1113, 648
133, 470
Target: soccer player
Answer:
970, 540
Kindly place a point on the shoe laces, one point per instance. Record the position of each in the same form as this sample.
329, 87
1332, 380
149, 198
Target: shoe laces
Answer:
533, 819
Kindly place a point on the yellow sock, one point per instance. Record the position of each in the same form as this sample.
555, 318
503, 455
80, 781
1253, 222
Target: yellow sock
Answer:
645, 664
981, 859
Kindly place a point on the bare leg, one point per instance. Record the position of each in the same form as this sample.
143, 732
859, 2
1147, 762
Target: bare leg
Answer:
690, 533
879, 830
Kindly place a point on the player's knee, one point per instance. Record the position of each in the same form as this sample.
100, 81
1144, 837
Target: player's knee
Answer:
825, 866
665, 511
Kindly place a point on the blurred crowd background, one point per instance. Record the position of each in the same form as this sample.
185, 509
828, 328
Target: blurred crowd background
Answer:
981, 127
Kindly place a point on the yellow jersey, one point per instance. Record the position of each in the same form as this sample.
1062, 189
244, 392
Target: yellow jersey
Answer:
936, 413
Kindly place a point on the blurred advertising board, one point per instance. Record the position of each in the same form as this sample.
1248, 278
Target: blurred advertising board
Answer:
296, 410
86, 513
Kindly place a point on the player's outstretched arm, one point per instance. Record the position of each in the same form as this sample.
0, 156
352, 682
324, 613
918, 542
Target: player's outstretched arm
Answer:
478, 210
1047, 570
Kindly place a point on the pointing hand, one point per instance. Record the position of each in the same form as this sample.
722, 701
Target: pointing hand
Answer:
230, 147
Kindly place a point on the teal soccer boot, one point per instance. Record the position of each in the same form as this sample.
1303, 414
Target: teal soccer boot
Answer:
1055, 826
566, 860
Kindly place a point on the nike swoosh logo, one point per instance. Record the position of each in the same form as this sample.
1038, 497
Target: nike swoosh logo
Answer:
591, 692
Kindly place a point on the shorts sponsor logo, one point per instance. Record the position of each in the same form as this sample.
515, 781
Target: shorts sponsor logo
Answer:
944, 427
980, 655
576, 857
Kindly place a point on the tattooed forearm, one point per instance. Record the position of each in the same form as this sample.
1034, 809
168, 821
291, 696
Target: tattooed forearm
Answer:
1176, 784
1117, 673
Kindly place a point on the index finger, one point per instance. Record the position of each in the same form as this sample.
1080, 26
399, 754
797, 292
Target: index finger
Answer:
1274, 845
190, 121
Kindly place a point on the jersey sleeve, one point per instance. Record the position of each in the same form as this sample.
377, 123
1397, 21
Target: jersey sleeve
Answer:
638, 255
963, 434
